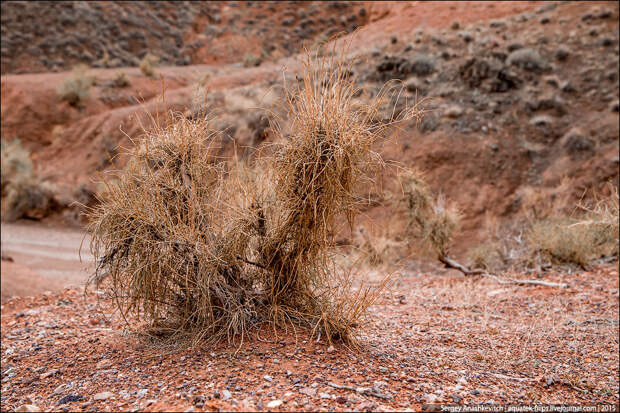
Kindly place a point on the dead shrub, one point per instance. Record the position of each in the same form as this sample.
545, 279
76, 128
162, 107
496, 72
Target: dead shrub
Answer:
120, 80
23, 194
76, 88
429, 219
16, 163
568, 240
251, 60
377, 249
485, 256
196, 245
148, 64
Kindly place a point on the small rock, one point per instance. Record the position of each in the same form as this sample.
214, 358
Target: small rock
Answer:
307, 391
453, 111
455, 26
103, 395
528, 59
567, 87
614, 106
103, 364
49, 373
324, 396
28, 408
562, 53
542, 121
367, 407
331, 349
274, 403
59, 389
456, 398
553, 80
430, 398
226, 395
413, 85
475, 392
514, 46
70, 398
497, 24
422, 65
341, 400
575, 141
466, 36
141, 393
268, 378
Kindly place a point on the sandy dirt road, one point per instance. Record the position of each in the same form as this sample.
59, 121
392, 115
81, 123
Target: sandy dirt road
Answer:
43, 258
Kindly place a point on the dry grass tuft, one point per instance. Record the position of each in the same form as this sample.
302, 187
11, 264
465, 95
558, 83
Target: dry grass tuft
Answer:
23, 194
196, 245
579, 240
148, 64
485, 256
76, 88
120, 80
429, 219
251, 60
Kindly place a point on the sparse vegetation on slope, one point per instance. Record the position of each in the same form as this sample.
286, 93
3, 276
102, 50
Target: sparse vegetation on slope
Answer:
23, 195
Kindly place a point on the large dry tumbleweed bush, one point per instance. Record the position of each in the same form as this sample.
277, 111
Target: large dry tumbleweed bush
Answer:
197, 245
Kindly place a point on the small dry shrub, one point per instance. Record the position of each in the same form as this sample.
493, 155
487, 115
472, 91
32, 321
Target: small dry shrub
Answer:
148, 64
430, 220
16, 163
251, 60
76, 88
197, 245
578, 240
23, 194
377, 249
485, 256
120, 80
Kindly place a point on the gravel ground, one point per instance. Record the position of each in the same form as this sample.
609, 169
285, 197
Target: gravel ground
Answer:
434, 338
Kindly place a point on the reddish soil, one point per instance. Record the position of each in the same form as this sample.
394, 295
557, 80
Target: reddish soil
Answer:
438, 336
40, 258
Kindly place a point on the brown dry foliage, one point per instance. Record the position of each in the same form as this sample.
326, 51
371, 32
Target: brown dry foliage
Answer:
77, 87
485, 256
148, 64
197, 245
23, 194
430, 220
578, 240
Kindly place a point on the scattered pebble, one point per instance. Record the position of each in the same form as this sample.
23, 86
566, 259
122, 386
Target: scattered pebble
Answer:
28, 408
103, 395
274, 403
